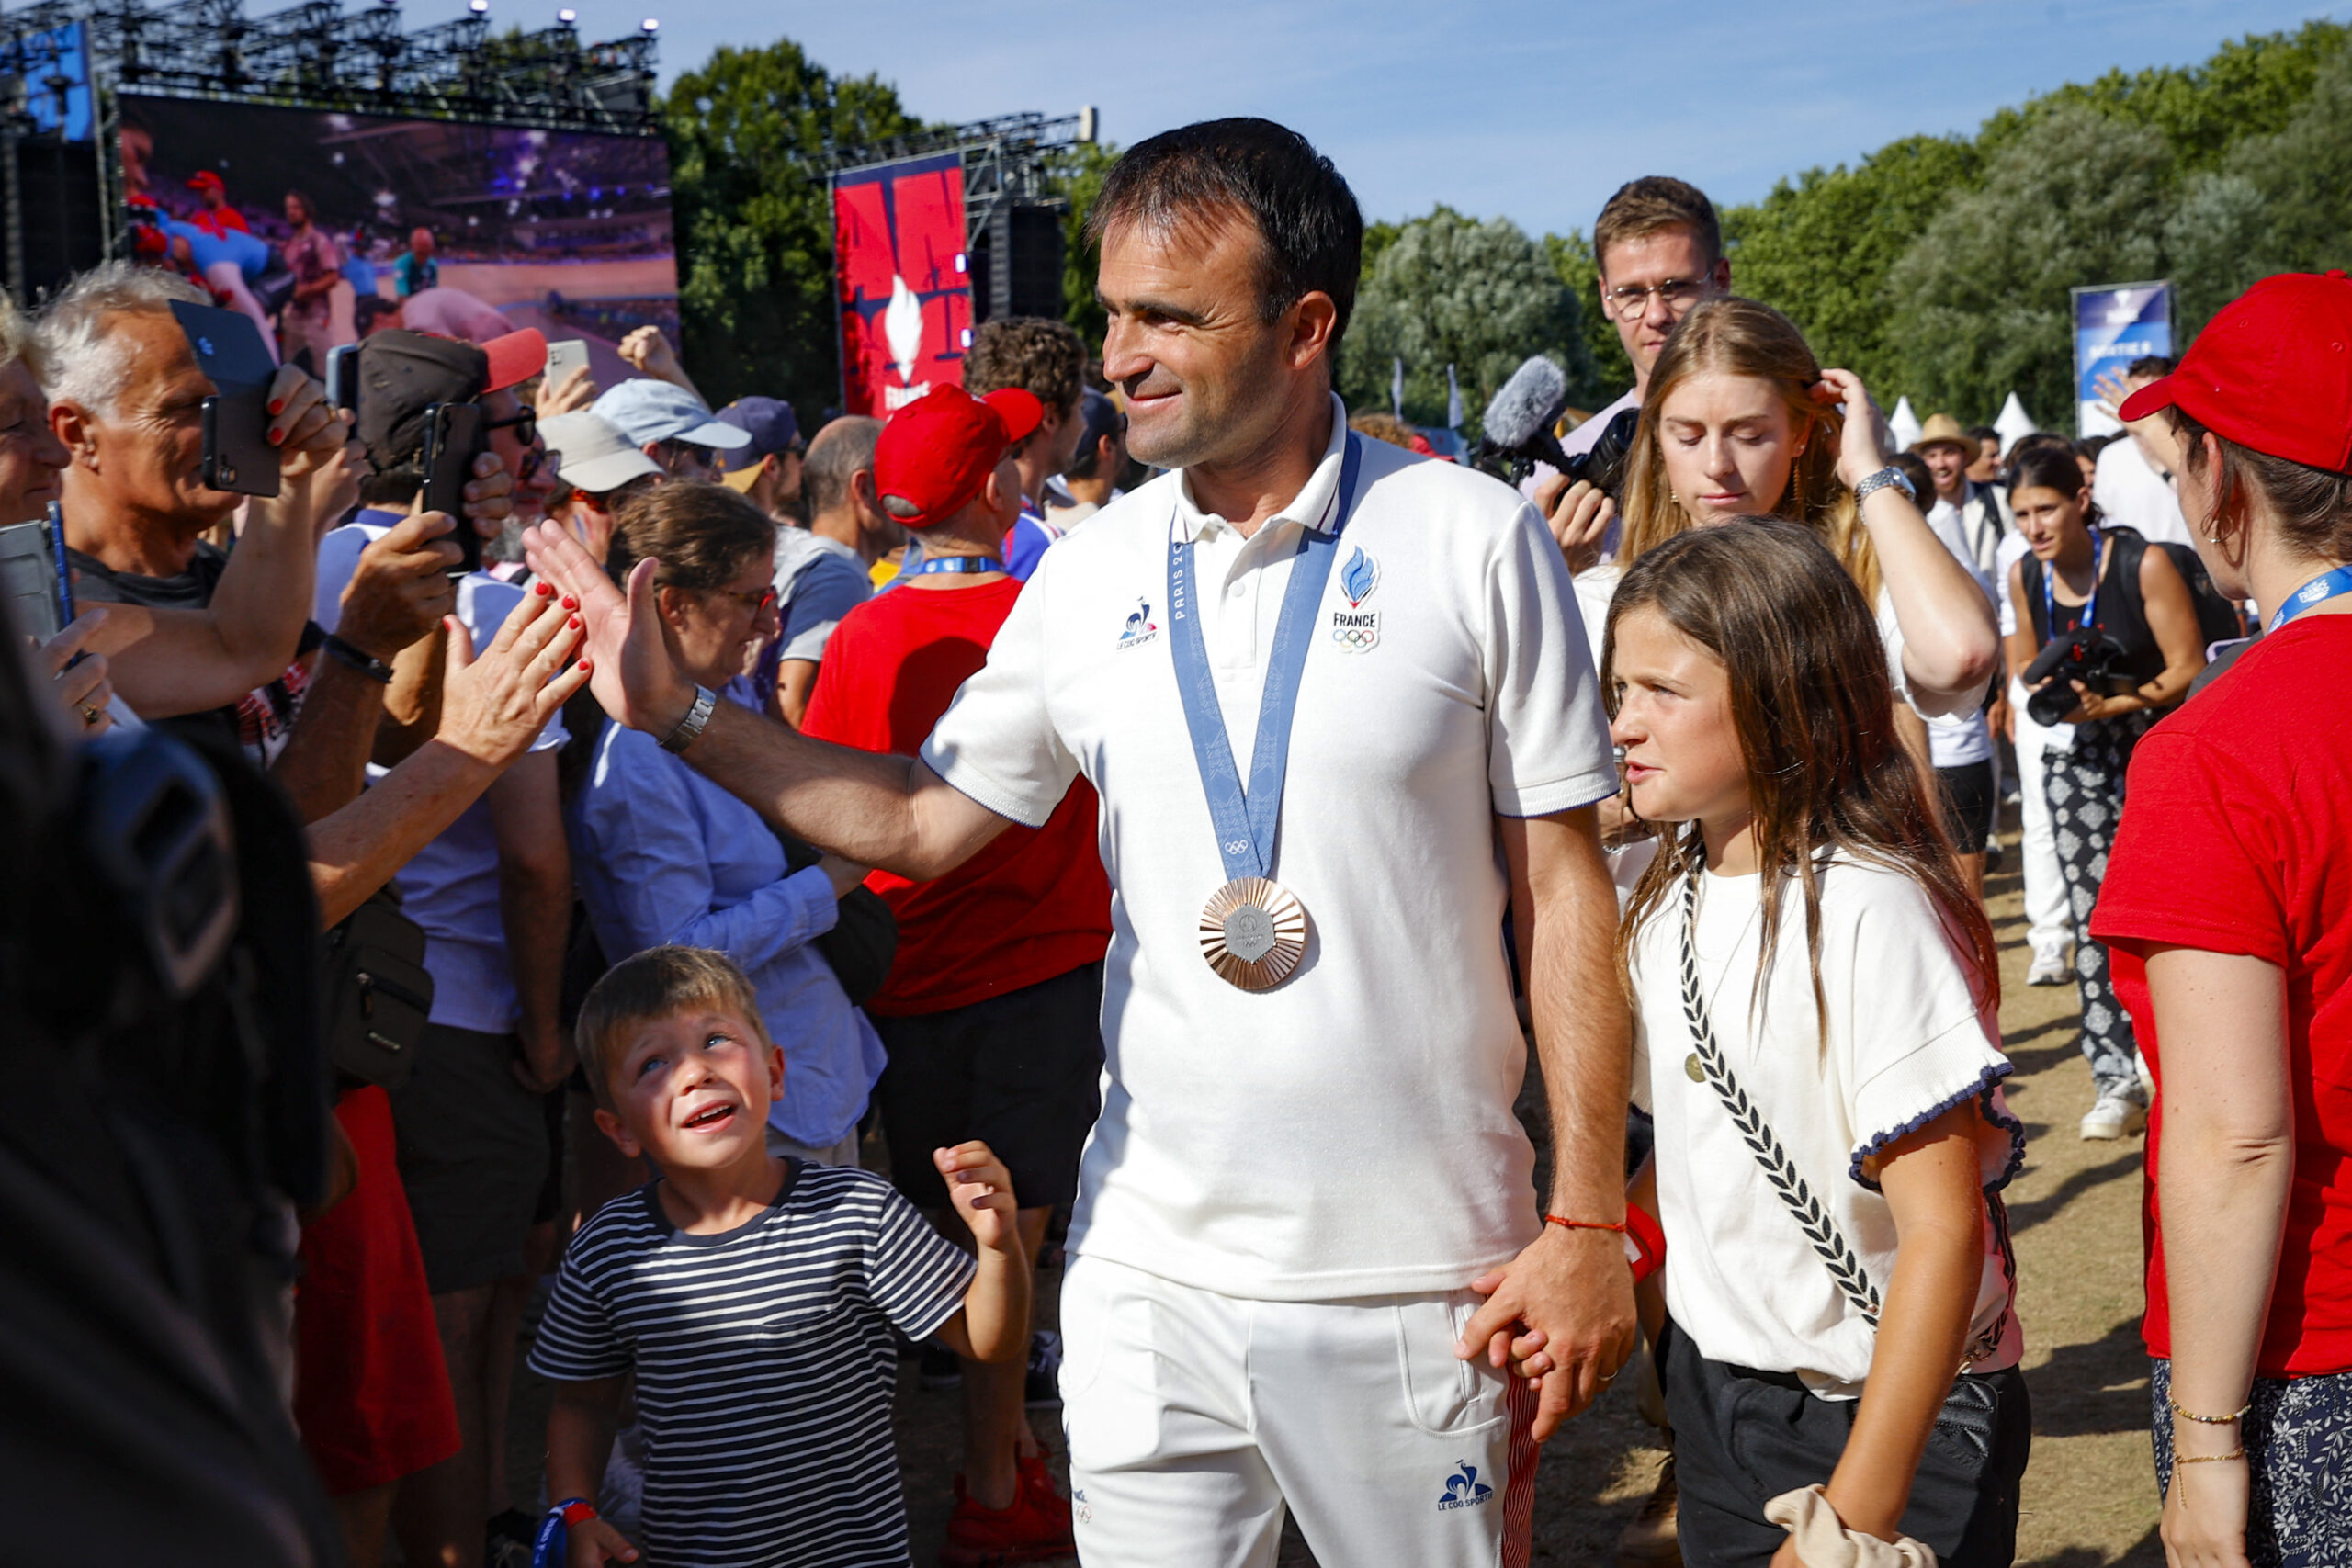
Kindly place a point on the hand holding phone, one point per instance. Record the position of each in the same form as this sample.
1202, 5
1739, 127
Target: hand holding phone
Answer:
453, 437
230, 350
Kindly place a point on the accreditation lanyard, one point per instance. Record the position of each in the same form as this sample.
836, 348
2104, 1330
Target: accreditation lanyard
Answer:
1246, 824
2050, 594
2326, 585
931, 564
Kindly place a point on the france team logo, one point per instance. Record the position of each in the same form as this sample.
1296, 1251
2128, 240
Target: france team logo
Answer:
1356, 629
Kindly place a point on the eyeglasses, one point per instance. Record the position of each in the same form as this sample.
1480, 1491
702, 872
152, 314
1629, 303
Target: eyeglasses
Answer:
525, 425
758, 604
1628, 300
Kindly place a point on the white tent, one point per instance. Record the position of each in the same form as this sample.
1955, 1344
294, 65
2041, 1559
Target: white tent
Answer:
2014, 423
1902, 424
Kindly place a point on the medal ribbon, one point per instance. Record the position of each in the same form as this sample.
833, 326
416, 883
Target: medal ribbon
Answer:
1245, 823
956, 564
2326, 585
2049, 593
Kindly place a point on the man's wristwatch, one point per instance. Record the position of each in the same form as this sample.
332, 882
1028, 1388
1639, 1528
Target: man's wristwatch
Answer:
690, 728
1890, 475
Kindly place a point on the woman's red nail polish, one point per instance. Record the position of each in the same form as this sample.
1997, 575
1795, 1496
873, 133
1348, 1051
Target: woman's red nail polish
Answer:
277, 436
575, 622
278, 405
542, 590
570, 603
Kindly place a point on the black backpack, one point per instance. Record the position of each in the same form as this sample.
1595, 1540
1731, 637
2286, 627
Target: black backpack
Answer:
2217, 618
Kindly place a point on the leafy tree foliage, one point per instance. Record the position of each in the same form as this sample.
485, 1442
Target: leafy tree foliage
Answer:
1613, 372
754, 223
1453, 290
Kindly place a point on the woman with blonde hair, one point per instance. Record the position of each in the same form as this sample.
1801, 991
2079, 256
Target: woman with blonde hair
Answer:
1741, 420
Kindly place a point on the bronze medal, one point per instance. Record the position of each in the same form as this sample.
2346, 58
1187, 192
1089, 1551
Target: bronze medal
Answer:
1253, 934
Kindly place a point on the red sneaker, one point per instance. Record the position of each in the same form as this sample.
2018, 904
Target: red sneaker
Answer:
1034, 1528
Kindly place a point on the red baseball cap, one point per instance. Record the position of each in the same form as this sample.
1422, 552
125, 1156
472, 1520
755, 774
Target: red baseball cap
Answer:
936, 452
205, 179
2273, 371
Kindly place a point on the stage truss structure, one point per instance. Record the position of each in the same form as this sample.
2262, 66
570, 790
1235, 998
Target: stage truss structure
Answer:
321, 54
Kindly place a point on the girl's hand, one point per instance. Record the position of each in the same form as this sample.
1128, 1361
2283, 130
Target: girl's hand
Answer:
1858, 453
2204, 1516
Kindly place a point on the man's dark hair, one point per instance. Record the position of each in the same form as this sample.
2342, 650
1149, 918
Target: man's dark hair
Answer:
1981, 434
1100, 419
1650, 205
394, 487
843, 446
366, 307
1306, 216
2151, 364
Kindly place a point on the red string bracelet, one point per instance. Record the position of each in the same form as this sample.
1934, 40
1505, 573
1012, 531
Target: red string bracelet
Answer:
1566, 1224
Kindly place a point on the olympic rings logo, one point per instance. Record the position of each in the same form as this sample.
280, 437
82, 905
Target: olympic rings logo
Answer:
1357, 638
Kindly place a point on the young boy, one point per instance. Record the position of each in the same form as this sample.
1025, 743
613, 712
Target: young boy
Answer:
752, 1296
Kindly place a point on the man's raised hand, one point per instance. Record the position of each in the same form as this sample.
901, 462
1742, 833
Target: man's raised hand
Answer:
635, 681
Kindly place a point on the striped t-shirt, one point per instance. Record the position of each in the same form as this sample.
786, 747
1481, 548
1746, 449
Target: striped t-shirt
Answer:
765, 1365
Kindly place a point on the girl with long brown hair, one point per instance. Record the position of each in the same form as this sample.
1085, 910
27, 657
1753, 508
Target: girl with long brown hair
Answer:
1740, 419
1816, 1035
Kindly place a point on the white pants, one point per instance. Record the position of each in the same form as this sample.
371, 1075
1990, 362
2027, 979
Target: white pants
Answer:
2048, 925
1194, 1419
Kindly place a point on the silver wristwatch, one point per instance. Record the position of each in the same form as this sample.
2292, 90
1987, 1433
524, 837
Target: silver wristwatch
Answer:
1890, 475
690, 728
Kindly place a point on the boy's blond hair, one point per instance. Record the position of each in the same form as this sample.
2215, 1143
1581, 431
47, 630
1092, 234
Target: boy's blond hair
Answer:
655, 984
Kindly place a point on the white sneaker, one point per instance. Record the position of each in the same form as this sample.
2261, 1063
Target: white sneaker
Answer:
2112, 1117
2049, 969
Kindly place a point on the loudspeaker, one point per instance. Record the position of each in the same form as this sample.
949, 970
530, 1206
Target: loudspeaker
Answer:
1031, 284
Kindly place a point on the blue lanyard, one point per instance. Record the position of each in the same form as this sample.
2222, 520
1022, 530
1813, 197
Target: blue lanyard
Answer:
930, 564
2326, 585
1246, 825
2050, 594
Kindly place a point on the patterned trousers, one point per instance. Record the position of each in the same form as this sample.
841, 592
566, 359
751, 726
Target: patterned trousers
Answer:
2084, 787
2299, 1446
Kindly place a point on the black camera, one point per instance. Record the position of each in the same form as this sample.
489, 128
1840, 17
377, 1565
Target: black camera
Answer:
1603, 464
2094, 658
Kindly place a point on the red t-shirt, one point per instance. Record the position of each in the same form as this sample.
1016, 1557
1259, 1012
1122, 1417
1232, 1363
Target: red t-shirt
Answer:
1034, 903
2233, 840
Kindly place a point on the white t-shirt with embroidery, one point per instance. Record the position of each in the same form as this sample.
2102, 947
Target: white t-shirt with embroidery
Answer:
1349, 1133
1906, 1041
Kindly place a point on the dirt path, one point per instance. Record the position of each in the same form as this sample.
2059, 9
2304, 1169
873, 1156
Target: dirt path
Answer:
2090, 1497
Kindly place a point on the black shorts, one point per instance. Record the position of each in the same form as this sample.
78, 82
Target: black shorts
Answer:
1023, 1072
1742, 1438
1967, 792
473, 1154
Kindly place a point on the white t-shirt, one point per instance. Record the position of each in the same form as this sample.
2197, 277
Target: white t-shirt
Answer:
1349, 1133
451, 886
1906, 1041
1955, 740
2133, 494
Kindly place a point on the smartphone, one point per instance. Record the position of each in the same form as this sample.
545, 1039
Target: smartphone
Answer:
342, 377
229, 350
562, 354
28, 580
453, 438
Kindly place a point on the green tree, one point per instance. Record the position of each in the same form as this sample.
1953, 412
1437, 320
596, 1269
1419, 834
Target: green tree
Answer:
1076, 177
1612, 373
2280, 202
1866, 218
1452, 290
754, 222
1979, 298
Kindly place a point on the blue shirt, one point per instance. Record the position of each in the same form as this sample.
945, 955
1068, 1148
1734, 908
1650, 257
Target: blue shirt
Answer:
663, 856
1025, 546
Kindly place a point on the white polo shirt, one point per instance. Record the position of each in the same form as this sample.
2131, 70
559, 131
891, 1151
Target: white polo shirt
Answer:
1350, 1132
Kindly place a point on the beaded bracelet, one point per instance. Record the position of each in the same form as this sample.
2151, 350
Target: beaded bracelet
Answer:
2208, 1459
2186, 1413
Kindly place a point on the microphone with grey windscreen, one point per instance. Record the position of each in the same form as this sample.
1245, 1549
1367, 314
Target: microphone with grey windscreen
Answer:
1520, 418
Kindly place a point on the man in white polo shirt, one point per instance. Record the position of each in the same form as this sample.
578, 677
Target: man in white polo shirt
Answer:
1316, 809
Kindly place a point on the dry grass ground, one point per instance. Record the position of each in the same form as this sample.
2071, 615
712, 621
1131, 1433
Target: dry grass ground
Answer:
2090, 1496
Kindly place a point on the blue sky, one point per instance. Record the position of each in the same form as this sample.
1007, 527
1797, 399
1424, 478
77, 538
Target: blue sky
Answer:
1535, 111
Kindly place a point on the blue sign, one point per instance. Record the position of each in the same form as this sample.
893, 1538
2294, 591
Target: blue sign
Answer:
55, 65
2113, 326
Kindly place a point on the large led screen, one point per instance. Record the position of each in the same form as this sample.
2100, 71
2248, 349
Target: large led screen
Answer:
453, 227
904, 280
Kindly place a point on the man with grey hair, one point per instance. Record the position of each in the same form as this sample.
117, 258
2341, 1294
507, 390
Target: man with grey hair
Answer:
824, 571
126, 399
